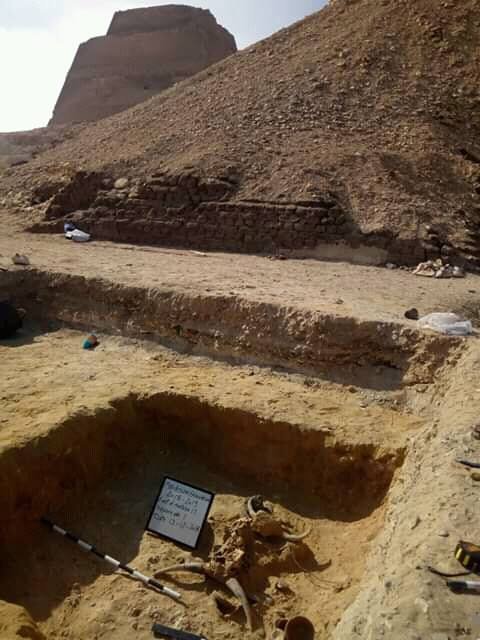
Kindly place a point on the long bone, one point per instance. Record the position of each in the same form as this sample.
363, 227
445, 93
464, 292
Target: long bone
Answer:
232, 584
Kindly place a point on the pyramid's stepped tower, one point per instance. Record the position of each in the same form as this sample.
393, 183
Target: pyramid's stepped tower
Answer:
144, 52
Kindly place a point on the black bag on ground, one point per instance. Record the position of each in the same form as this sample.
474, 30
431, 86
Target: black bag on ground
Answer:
10, 320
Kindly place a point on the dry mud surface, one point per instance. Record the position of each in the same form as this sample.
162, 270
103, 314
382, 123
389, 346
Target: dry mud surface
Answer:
356, 436
338, 288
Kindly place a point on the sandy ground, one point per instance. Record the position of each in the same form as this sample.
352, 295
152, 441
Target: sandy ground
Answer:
46, 378
368, 293
49, 378
44, 373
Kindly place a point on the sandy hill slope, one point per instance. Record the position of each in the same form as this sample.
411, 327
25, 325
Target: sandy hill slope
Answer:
373, 103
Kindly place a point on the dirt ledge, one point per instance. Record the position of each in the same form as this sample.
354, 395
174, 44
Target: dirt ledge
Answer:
238, 330
431, 508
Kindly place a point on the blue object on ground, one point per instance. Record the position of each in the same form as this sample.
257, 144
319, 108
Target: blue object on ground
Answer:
91, 342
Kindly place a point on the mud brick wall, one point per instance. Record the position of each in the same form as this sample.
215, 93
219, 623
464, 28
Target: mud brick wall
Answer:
79, 193
190, 211
241, 227
260, 227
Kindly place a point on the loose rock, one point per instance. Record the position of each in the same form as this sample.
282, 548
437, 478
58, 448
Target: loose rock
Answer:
121, 183
437, 269
20, 260
412, 314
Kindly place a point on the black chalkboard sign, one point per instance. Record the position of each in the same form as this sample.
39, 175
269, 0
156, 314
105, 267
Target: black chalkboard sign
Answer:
180, 512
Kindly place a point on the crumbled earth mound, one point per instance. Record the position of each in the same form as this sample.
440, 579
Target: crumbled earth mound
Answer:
367, 108
144, 52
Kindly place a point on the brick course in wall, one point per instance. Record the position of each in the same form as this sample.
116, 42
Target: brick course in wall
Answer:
189, 211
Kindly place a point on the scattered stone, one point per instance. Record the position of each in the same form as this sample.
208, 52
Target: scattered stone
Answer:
121, 183
425, 270
412, 314
475, 475
415, 523
391, 266
437, 269
443, 272
20, 260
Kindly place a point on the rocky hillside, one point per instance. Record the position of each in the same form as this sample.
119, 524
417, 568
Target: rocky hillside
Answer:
144, 52
370, 107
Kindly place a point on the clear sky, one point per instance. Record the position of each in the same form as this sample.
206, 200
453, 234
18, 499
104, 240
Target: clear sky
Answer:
39, 38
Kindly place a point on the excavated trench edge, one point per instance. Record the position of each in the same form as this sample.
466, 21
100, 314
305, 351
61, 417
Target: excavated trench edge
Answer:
341, 481
237, 330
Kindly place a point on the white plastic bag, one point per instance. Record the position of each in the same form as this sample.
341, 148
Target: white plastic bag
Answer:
448, 323
79, 236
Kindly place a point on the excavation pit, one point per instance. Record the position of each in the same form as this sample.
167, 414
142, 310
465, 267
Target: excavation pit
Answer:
87, 442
